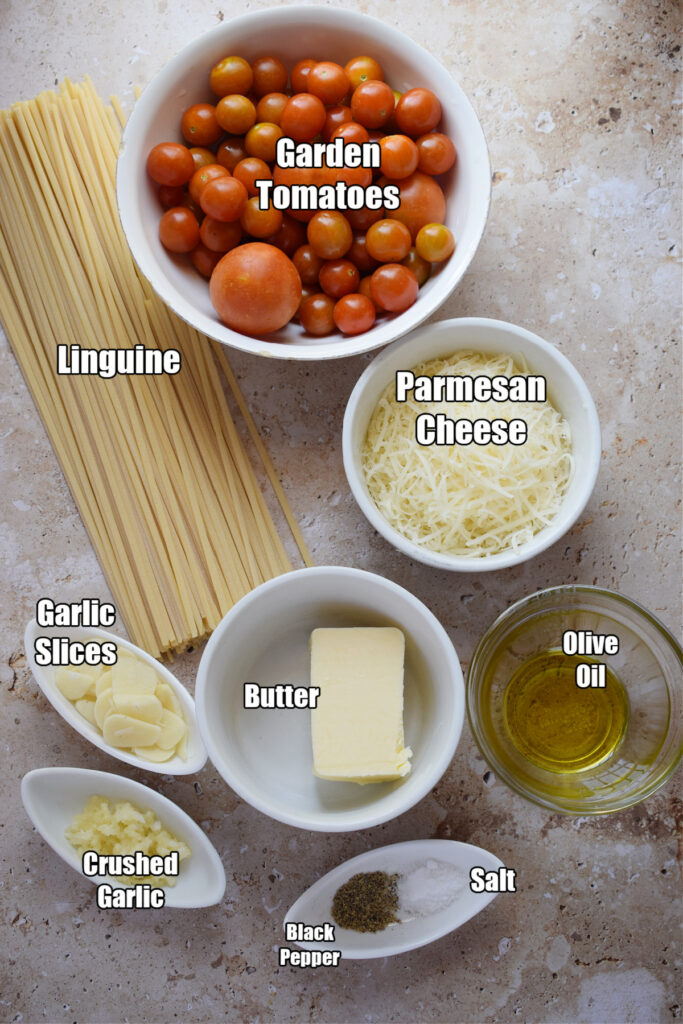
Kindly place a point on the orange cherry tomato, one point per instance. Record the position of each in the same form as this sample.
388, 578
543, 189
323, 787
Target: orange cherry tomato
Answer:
204, 260
303, 117
270, 75
235, 114
224, 198
363, 69
350, 132
200, 126
219, 235
260, 223
388, 241
249, 171
203, 176
372, 104
329, 234
419, 266
230, 75
270, 107
261, 140
435, 242
399, 156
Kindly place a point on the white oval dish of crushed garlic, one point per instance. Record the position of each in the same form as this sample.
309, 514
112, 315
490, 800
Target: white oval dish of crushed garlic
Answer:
136, 710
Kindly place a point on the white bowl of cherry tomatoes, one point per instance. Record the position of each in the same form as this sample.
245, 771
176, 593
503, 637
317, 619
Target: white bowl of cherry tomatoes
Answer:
303, 283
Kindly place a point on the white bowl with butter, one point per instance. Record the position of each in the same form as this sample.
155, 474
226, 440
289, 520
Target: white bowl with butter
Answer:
265, 753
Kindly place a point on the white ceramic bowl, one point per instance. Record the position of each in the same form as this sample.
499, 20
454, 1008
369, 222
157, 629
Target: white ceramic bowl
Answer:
266, 755
566, 390
54, 796
292, 33
45, 677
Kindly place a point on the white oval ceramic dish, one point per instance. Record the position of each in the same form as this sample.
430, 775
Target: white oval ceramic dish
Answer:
45, 677
292, 33
315, 905
266, 755
566, 390
54, 796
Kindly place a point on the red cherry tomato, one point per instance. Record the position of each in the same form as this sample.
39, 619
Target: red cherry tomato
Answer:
307, 263
171, 195
204, 260
338, 277
230, 152
178, 229
270, 75
219, 235
328, 81
203, 176
372, 104
335, 118
351, 132
303, 117
388, 241
418, 111
289, 236
354, 313
249, 171
399, 156
330, 235
316, 314
436, 153
393, 287
169, 163
270, 107
300, 73
224, 198
260, 223
255, 289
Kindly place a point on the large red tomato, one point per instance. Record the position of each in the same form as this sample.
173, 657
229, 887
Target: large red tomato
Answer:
255, 288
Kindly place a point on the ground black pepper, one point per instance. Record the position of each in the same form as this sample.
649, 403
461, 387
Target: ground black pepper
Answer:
367, 902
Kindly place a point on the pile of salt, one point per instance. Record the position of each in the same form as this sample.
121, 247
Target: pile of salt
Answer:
428, 888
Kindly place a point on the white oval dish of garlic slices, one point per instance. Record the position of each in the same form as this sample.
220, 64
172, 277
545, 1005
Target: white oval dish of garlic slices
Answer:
134, 710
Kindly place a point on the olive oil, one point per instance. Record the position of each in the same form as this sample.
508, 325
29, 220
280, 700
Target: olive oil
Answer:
554, 723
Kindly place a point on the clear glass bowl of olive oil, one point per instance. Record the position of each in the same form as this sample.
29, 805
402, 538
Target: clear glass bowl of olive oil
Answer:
594, 746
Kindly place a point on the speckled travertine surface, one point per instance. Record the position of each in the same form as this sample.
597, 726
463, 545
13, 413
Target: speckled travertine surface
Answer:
579, 103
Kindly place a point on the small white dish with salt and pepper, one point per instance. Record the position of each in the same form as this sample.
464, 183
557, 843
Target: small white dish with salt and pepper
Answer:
413, 929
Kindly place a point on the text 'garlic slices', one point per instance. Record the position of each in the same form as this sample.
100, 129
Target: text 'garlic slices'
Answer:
467, 500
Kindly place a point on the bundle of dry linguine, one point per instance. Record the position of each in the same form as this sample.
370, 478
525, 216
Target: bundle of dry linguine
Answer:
155, 463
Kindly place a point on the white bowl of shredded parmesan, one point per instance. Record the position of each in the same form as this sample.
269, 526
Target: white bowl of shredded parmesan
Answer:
471, 445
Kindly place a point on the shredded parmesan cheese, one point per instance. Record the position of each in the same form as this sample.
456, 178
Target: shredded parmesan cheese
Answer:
468, 500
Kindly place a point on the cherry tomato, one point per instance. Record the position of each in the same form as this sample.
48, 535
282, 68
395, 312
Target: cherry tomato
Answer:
422, 202
204, 260
178, 229
255, 288
230, 75
231, 151
372, 104
169, 163
421, 268
235, 113
307, 263
393, 287
300, 73
317, 315
335, 118
201, 156
360, 220
223, 198
297, 176
219, 235
354, 313
434, 243
350, 132
358, 254
436, 153
199, 125
260, 223
328, 81
270, 107
203, 176
363, 69
303, 117
339, 277
330, 235
388, 241
418, 111
289, 236
261, 140
399, 156
364, 288
270, 75
171, 195
251, 170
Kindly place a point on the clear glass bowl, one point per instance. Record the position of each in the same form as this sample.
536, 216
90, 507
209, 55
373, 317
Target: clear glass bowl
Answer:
648, 665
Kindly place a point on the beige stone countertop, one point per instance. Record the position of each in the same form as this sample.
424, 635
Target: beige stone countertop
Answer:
579, 102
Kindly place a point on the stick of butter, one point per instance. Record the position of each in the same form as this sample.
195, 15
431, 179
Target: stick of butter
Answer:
357, 725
